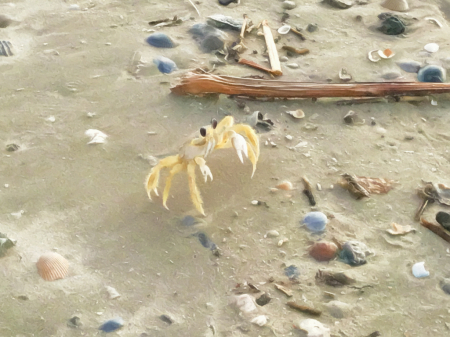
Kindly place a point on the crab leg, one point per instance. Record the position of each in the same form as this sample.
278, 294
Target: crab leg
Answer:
176, 169
151, 183
195, 194
252, 157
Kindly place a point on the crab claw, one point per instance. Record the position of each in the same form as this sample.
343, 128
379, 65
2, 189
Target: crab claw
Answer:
204, 168
240, 145
210, 147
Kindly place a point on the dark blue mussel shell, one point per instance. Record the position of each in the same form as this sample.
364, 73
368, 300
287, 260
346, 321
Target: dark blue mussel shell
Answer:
205, 241
431, 73
112, 325
160, 40
164, 64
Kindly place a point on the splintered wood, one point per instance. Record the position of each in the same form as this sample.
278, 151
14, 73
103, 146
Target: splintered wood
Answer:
194, 83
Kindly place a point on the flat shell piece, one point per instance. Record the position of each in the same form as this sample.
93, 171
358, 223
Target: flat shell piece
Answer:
284, 290
431, 47
435, 21
419, 270
399, 229
113, 293
222, 21
284, 29
344, 75
97, 137
296, 113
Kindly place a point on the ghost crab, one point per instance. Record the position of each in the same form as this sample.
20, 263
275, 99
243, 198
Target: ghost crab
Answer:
193, 153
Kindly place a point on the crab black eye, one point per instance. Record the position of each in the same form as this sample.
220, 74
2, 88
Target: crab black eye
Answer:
203, 132
214, 123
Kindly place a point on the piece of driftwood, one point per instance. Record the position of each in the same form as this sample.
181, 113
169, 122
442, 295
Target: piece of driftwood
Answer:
257, 66
436, 229
302, 51
194, 83
271, 49
304, 308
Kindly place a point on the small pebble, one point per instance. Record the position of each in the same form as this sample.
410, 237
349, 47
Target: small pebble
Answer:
166, 318
443, 218
284, 59
12, 147
354, 253
410, 66
263, 299
74, 322
292, 272
164, 64
431, 73
112, 325
312, 27
315, 221
292, 65
272, 234
288, 4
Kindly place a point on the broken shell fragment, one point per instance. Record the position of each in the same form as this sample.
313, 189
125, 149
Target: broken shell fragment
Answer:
296, 113
386, 54
312, 328
399, 229
284, 29
97, 137
260, 320
373, 56
396, 5
431, 47
245, 303
354, 253
344, 75
112, 292
52, 266
323, 251
285, 185
419, 270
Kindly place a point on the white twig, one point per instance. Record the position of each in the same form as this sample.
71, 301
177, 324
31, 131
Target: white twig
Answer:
195, 8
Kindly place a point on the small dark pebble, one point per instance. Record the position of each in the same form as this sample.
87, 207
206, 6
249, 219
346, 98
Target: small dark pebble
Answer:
392, 25
74, 322
112, 325
189, 221
211, 43
12, 147
160, 40
312, 27
4, 21
445, 285
23, 297
292, 272
443, 218
263, 299
374, 334
352, 254
205, 241
166, 319
227, 2
432, 74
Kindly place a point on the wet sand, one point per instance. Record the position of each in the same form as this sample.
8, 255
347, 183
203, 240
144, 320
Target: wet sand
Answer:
88, 202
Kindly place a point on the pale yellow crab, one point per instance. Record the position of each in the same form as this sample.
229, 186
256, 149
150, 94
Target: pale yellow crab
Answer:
193, 153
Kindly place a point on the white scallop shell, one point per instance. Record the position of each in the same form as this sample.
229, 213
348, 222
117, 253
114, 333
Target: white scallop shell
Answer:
431, 47
245, 303
373, 56
284, 29
419, 270
384, 56
52, 266
396, 5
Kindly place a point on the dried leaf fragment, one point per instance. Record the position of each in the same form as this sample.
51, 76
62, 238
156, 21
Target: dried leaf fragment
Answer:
363, 186
286, 291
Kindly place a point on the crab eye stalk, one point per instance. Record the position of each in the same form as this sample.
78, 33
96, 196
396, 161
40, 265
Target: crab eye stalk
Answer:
203, 132
214, 123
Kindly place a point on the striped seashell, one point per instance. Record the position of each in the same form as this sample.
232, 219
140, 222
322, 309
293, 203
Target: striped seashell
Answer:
52, 266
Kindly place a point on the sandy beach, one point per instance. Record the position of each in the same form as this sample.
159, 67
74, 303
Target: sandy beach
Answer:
72, 71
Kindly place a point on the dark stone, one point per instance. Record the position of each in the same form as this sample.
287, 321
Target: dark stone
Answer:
211, 43
263, 299
227, 2
160, 40
445, 285
205, 241
431, 73
392, 25
12, 147
166, 319
292, 272
74, 322
443, 218
312, 27
352, 254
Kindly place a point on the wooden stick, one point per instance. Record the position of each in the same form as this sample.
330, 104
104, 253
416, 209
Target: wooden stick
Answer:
436, 229
244, 26
302, 51
299, 34
271, 49
200, 84
257, 66
304, 308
